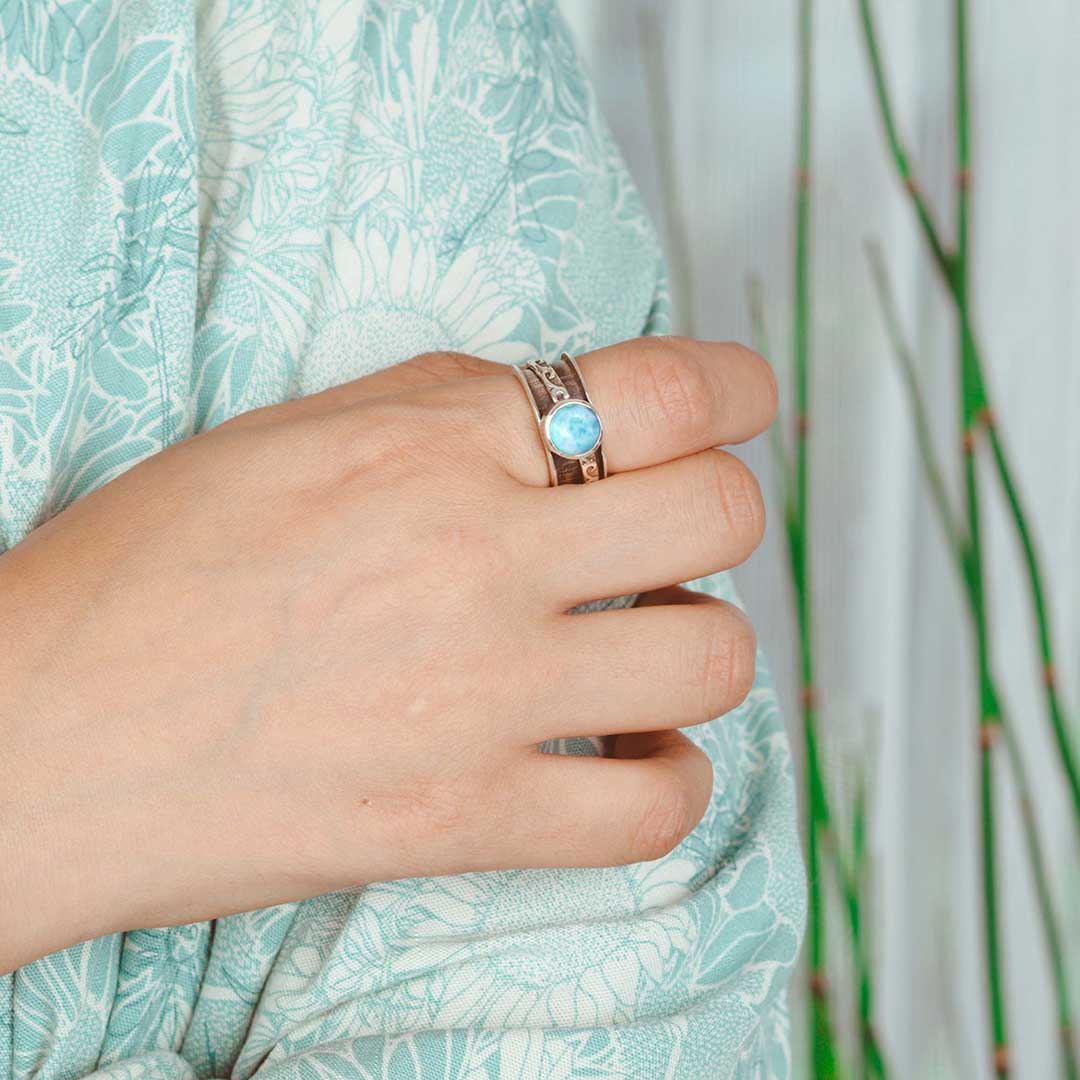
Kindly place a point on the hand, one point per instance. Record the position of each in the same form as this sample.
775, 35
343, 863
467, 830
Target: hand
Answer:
319, 644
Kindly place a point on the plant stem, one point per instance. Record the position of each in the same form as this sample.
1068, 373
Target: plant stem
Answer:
923, 435
855, 887
975, 385
971, 404
817, 801
776, 436
822, 1043
1042, 619
820, 845
1070, 1065
859, 876
1049, 919
896, 147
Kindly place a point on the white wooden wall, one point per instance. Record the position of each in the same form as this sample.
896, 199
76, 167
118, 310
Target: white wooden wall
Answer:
892, 641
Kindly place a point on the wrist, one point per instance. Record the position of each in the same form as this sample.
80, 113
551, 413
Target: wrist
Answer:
57, 886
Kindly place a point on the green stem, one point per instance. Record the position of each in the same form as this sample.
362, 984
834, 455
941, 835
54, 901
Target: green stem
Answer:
863, 1017
972, 402
797, 519
987, 731
822, 1042
896, 147
776, 436
816, 796
989, 726
1051, 924
1042, 619
856, 891
975, 386
1049, 918
920, 416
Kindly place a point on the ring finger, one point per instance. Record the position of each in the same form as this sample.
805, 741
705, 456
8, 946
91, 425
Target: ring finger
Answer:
683, 659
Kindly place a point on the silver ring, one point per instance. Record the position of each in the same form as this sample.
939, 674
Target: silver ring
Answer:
570, 428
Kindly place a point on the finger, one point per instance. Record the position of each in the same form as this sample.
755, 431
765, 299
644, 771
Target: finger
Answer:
658, 398
649, 668
641, 530
664, 397
634, 807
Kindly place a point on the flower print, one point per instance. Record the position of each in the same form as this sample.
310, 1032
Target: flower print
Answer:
742, 943
384, 299
10, 126
275, 92
566, 1056
289, 188
14, 310
48, 33
157, 977
544, 83
244, 92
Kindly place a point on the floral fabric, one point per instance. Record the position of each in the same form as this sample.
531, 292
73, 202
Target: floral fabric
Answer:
207, 208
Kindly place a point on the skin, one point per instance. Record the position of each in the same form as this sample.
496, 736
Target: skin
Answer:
319, 644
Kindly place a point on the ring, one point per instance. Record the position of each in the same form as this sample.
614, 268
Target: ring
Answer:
569, 426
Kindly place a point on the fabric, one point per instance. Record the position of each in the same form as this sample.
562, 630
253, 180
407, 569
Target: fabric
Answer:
209, 209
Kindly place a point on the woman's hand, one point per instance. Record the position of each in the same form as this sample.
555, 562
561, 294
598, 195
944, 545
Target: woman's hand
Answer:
319, 644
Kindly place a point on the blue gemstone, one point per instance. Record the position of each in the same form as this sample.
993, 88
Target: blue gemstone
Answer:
573, 429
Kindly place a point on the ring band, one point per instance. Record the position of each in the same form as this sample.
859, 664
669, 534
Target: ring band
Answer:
569, 425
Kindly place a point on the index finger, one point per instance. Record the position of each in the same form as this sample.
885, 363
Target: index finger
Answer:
658, 398
661, 398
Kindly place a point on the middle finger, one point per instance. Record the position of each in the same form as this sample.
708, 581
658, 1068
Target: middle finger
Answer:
645, 529
659, 399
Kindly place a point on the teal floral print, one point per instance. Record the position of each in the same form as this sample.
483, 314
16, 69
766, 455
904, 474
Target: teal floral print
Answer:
210, 206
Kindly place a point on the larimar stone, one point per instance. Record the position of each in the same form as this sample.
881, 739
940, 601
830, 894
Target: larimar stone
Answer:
573, 429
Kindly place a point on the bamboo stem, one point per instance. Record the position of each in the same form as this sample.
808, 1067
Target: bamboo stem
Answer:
974, 383
863, 1017
971, 405
820, 1031
1049, 918
1042, 619
896, 147
796, 500
822, 1042
777, 449
1051, 924
920, 416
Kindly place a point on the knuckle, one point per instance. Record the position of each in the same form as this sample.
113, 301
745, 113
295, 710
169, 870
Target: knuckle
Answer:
444, 365
733, 500
728, 661
678, 391
400, 430
667, 819
374, 438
